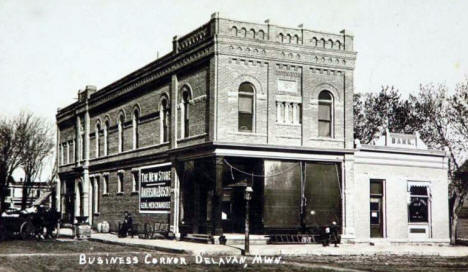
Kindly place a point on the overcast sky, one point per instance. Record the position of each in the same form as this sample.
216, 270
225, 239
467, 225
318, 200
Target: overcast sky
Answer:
51, 49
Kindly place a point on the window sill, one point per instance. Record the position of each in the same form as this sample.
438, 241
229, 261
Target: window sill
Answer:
328, 139
105, 194
134, 193
249, 134
119, 193
288, 124
97, 213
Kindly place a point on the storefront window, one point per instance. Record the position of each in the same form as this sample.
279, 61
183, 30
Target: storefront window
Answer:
418, 209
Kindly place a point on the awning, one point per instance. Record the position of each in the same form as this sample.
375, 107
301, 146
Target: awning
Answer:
41, 199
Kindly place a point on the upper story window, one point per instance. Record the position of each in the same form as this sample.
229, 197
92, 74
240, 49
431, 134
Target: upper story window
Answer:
98, 142
120, 187
325, 115
246, 107
105, 185
185, 127
68, 152
135, 182
61, 154
106, 137
164, 117
121, 132
135, 120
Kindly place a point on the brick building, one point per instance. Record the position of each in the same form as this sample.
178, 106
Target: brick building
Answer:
234, 104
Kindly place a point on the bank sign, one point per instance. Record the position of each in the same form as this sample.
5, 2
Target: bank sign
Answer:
155, 189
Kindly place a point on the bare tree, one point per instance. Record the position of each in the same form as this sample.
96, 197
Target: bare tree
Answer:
12, 134
39, 144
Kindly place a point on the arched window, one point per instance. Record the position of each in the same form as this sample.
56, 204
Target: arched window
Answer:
121, 132
120, 185
246, 107
281, 38
185, 122
164, 115
98, 143
105, 185
325, 115
135, 120
106, 138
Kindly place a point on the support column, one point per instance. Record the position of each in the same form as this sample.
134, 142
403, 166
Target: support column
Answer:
77, 200
58, 194
348, 208
173, 126
217, 227
175, 188
77, 140
86, 183
196, 202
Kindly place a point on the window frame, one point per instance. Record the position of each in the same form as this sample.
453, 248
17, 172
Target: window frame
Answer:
331, 124
135, 127
120, 183
121, 131
164, 115
251, 95
428, 198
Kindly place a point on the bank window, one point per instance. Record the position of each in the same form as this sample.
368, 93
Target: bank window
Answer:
246, 107
418, 208
120, 183
325, 114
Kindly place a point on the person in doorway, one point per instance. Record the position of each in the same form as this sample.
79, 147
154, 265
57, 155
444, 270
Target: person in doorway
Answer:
126, 224
334, 233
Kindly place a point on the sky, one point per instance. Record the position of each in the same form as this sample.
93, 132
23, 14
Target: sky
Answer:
51, 49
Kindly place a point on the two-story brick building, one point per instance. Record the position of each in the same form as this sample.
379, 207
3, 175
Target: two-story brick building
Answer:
234, 104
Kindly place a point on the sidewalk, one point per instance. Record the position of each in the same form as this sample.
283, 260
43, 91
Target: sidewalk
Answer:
192, 248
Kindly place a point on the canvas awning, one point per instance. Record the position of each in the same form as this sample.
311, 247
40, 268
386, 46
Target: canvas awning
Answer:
41, 199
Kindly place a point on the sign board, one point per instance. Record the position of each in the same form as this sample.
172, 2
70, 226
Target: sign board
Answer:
155, 189
289, 86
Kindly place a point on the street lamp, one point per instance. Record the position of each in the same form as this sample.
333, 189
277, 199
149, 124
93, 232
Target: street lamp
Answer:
248, 197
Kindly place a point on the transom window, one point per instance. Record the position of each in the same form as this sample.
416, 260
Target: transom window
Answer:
325, 114
246, 107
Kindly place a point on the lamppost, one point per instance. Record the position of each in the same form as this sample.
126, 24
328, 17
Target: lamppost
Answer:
248, 197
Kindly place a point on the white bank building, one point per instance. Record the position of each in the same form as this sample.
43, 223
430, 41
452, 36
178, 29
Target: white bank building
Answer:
400, 191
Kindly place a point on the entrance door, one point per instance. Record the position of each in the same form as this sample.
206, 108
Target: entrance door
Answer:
376, 217
376, 209
69, 202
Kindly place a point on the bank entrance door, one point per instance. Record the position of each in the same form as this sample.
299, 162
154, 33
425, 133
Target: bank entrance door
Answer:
376, 209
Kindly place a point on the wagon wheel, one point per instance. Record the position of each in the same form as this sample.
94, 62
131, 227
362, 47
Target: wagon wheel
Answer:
27, 230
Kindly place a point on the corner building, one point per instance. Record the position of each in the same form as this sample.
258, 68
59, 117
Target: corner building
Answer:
234, 104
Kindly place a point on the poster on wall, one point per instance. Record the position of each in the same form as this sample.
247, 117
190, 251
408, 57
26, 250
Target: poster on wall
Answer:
155, 189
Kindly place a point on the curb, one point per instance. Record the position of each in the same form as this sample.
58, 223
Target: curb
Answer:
159, 248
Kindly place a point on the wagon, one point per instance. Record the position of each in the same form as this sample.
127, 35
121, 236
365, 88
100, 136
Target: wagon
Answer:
17, 224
